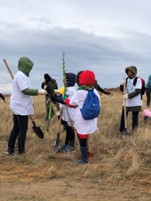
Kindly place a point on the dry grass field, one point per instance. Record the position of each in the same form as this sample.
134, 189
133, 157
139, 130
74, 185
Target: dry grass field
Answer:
119, 171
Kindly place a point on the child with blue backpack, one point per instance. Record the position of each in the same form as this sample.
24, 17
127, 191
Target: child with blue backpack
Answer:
86, 101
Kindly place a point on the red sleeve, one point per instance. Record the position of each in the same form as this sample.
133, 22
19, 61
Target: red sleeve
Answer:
67, 102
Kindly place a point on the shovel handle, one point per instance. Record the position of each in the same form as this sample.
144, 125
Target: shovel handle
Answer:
125, 118
32, 120
8, 68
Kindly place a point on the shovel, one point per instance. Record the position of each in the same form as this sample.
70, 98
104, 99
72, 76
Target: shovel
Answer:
37, 130
57, 144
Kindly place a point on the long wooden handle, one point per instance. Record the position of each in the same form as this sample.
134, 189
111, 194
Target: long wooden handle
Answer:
125, 118
8, 68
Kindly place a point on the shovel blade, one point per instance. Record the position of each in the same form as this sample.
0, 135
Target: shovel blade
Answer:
37, 130
57, 144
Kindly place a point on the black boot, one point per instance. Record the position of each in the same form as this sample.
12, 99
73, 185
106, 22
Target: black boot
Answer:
83, 156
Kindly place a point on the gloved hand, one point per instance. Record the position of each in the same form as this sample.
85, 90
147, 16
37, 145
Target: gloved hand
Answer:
41, 91
2, 97
60, 91
58, 114
56, 92
108, 93
125, 96
65, 97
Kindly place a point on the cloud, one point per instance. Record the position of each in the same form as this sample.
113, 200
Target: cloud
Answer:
104, 36
7, 88
106, 56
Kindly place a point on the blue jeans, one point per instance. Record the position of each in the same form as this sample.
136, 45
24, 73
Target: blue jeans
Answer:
134, 120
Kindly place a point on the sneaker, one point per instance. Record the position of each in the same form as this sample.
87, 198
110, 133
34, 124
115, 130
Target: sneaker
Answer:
62, 148
69, 148
66, 148
21, 152
82, 161
9, 153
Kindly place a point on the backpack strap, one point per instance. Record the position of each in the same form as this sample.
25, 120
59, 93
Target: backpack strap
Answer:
126, 81
135, 81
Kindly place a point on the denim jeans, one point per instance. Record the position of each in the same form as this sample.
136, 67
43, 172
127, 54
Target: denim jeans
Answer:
19, 131
148, 95
134, 120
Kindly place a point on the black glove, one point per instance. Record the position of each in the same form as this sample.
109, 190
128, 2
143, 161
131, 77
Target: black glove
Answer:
2, 97
108, 93
43, 85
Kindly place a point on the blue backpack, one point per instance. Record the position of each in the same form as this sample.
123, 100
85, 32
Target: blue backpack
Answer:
91, 107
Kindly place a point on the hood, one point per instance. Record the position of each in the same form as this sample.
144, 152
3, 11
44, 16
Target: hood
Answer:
71, 79
133, 69
25, 65
47, 77
87, 78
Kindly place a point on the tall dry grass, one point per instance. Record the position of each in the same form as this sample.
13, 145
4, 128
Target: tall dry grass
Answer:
116, 158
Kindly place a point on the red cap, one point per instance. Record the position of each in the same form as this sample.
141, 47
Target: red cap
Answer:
87, 77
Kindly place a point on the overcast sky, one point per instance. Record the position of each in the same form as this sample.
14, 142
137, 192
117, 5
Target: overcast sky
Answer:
103, 35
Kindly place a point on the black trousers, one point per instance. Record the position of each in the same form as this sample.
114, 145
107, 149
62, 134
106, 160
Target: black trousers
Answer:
148, 95
70, 134
19, 132
134, 120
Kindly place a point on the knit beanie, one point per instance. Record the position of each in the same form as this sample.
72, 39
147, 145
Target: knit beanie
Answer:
87, 77
147, 113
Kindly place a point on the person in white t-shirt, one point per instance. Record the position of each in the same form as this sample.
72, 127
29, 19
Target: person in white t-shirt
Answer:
21, 105
132, 97
83, 127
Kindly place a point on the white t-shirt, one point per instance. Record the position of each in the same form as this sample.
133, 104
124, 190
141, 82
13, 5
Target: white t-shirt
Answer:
21, 104
81, 125
67, 112
136, 101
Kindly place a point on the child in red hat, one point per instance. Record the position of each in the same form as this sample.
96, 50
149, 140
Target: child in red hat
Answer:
82, 126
